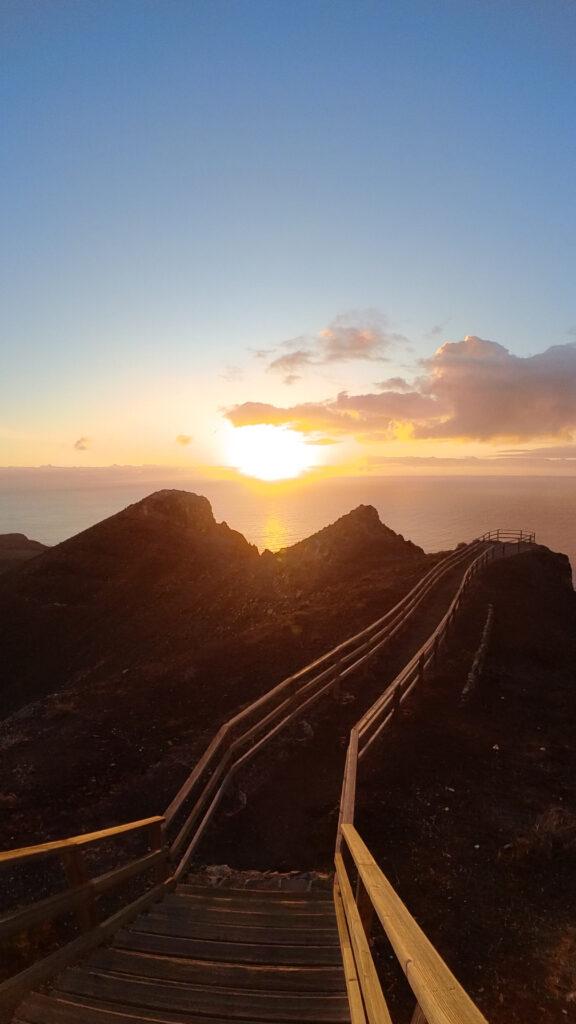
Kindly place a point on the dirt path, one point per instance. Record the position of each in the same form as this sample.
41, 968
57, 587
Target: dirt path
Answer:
292, 790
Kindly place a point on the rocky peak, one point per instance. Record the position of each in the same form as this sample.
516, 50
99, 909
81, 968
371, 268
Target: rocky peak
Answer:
358, 536
177, 508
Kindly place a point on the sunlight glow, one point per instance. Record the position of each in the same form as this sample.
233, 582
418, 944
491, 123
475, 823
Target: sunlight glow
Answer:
269, 453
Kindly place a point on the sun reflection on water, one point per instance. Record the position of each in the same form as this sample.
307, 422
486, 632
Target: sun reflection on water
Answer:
275, 533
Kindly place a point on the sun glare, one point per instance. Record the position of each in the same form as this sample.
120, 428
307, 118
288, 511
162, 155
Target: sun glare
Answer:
269, 453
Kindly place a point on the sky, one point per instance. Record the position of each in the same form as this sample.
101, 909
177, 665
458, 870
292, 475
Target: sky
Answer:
275, 236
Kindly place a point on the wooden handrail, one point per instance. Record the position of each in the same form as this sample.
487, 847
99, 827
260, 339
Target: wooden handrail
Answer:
440, 999
439, 995
327, 663
81, 893
43, 849
230, 748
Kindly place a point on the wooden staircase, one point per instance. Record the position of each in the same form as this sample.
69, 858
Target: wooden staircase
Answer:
259, 948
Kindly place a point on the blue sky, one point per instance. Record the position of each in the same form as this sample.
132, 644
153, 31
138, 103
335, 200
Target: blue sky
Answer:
185, 181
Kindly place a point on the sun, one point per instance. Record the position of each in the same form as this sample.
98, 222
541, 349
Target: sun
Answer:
269, 453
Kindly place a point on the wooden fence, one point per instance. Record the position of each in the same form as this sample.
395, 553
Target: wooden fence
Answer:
175, 836
440, 999
81, 895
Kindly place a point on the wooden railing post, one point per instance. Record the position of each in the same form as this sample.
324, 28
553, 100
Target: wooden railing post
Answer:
157, 843
77, 876
396, 701
421, 668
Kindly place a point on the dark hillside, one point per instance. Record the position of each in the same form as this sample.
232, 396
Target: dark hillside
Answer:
471, 809
16, 548
125, 647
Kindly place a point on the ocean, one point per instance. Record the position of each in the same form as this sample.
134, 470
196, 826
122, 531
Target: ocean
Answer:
434, 512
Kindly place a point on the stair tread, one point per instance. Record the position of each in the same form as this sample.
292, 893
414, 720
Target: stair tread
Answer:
218, 901
279, 895
227, 951
187, 926
233, 1003
271, 977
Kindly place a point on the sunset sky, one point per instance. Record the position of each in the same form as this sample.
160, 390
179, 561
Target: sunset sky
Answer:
275, 236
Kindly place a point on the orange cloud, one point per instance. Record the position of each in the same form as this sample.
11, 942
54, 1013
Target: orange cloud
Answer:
471, 390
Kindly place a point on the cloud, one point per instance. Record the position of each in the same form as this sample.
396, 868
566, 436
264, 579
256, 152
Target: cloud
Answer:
393, 384
184, 439
551, 453
82, 444
484, 392
290, 362
346, 414
472, 389
350, 337
438, 329
232, 373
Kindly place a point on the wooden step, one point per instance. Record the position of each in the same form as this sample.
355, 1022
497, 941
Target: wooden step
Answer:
237, 903
42, 1009
267, 978
126, 991
274, 895
228, 952
238, 913
186, 926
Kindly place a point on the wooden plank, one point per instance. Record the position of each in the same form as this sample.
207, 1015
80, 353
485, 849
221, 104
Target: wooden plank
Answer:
317, 909
61, 902
418, 1017
229, 952
276, 914
267, 978
294, 897
374, 1002
27, 852
78, 879
221, 771
440, 996
43, 1009
349, 783
355, 1001
188, 927
195, 775
50, 965
232, 1003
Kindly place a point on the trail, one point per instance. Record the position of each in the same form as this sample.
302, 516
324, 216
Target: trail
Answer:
293, 788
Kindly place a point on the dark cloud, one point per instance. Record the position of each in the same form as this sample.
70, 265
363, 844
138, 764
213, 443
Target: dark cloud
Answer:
184, 439
472, 390
82, 444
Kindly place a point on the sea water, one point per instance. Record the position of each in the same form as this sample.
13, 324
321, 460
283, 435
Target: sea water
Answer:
434, 512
